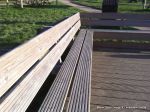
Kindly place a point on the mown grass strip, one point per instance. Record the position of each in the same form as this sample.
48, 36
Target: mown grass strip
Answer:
19, 25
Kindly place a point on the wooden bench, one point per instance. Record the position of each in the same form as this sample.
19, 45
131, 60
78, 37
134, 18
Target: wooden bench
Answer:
24, 70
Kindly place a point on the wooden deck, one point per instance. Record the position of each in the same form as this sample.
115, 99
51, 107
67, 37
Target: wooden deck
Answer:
120, 81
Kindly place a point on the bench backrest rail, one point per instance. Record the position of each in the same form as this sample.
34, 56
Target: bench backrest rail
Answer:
21, 97
124, 16
115, 19
14, 64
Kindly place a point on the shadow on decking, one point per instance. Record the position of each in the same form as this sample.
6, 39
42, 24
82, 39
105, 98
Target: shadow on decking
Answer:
136, 56
124, 53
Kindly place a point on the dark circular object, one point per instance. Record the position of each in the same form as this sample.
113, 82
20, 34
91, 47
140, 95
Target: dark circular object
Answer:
110, 6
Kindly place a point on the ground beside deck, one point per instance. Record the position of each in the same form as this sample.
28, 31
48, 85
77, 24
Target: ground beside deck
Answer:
120, 81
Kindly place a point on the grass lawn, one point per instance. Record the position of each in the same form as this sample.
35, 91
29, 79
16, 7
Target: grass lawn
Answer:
124, 6
19, 25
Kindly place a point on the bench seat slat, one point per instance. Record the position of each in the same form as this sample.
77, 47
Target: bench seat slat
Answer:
23, 94
55, 99
80, 94
15, 63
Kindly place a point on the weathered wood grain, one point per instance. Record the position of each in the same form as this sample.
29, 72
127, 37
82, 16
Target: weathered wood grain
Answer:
23, 94
120, 81
122, 35
14, 64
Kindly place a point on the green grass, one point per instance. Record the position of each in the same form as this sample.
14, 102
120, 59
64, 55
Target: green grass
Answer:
124, 6
19, 25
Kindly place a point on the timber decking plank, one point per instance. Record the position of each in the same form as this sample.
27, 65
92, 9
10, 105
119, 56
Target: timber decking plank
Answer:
121, 95
120, 87
122, 35
125, 58
121, 76
126, 68
119, 81
115, 80
124, 62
